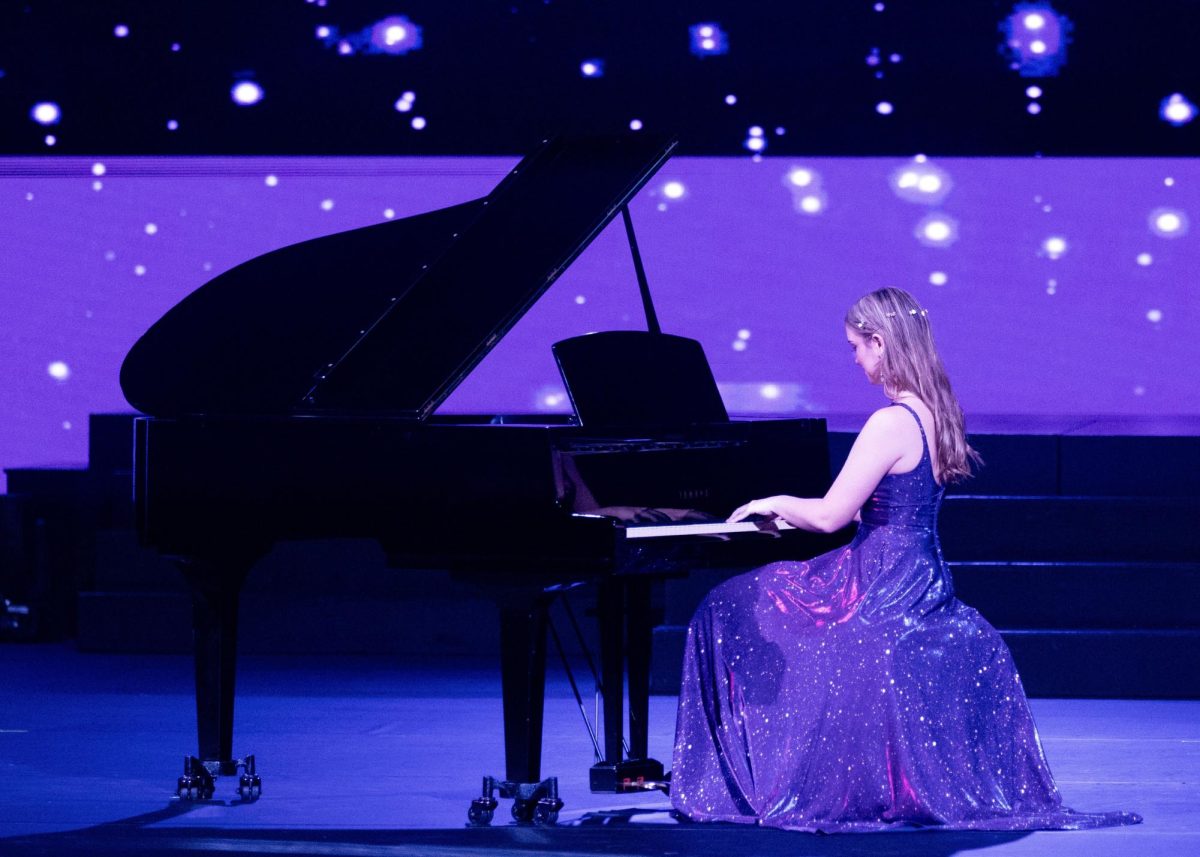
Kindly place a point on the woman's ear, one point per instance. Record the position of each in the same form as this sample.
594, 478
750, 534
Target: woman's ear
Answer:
877, 341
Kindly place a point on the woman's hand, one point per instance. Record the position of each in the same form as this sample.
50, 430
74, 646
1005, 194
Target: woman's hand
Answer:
762, 507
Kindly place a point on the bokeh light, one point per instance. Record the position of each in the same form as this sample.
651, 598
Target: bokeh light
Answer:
45, 113
1177, 110
246, 92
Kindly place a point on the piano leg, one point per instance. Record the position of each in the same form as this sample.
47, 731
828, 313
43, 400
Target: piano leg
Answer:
215, 587
523, 683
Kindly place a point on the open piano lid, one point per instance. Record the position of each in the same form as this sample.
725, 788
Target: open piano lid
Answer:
388, 319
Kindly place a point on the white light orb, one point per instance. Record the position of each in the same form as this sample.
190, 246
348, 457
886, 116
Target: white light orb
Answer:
937, 230
731, 99
345, 48
1054, 246
580, 300
66, 425
139, 270
884, 108
708, 44
674, 190
908, 178
755, 131
589, 69
1169, 182
770, 391
800, 177
755, 144
151, 228
322, 32
97, 185
1034, 92
929, 183
1034, 21
1168, 221
98, 169
419, 123
1154, 316
121, 31
938, 278
920, 159
743, 334
707, 32
1178, 110
327, 205
1037, 46
738, 345
635, 125
246, 93
1145, 259
394, 34
45, 113
403, 105
271, 181
1033, 108
811, 204
389, 213
59, 371
51, 139
172, 125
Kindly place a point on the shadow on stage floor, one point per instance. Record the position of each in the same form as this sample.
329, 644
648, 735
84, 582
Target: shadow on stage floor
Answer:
622, 832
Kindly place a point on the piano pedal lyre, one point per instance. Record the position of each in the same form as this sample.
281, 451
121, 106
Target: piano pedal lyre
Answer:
533, 803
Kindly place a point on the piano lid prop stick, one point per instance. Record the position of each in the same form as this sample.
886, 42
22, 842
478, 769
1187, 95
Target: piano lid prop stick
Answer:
651, 317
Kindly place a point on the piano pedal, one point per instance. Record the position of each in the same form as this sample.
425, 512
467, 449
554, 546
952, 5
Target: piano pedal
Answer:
533, 803
628, 775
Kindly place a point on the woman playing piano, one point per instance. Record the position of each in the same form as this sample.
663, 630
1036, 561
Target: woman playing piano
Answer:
853, 691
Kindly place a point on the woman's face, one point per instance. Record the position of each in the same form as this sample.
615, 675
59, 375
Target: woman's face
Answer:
868, 353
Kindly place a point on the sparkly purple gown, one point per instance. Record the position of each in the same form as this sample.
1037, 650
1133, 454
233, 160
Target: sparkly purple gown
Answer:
854, 692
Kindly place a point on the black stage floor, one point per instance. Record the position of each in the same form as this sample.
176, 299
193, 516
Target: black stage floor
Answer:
377, 756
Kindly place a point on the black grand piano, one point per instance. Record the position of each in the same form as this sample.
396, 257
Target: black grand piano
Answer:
293, 397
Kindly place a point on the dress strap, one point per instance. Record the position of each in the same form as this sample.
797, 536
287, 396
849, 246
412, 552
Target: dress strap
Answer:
920, 425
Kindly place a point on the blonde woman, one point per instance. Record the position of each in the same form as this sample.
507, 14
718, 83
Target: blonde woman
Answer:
853, 691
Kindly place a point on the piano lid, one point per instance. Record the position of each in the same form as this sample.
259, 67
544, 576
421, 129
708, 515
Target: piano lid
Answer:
387, 319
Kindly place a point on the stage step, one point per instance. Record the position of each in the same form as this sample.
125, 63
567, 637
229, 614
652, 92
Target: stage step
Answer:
1070, 529
1081, 595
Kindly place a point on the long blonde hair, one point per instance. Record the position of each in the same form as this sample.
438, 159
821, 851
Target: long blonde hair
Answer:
911, 363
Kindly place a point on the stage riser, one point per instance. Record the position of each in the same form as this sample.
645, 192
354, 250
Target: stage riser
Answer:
1071, 529
1082, 595
1069, 465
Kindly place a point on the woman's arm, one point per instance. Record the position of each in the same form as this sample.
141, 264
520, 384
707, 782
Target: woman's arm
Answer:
876, 450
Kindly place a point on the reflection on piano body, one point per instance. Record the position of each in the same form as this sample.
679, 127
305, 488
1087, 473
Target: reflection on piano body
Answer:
293, 397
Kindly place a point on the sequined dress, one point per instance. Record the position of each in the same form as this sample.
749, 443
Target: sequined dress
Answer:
854, 692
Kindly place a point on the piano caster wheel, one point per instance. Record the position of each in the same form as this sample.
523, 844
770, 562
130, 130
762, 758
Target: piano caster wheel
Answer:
482, 811
192, 788
522, 810
197, 782
249, 787
545, 814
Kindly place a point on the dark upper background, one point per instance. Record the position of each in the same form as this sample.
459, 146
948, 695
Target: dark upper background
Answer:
492, 77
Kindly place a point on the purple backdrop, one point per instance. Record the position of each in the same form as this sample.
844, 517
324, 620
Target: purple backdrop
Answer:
755, 258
